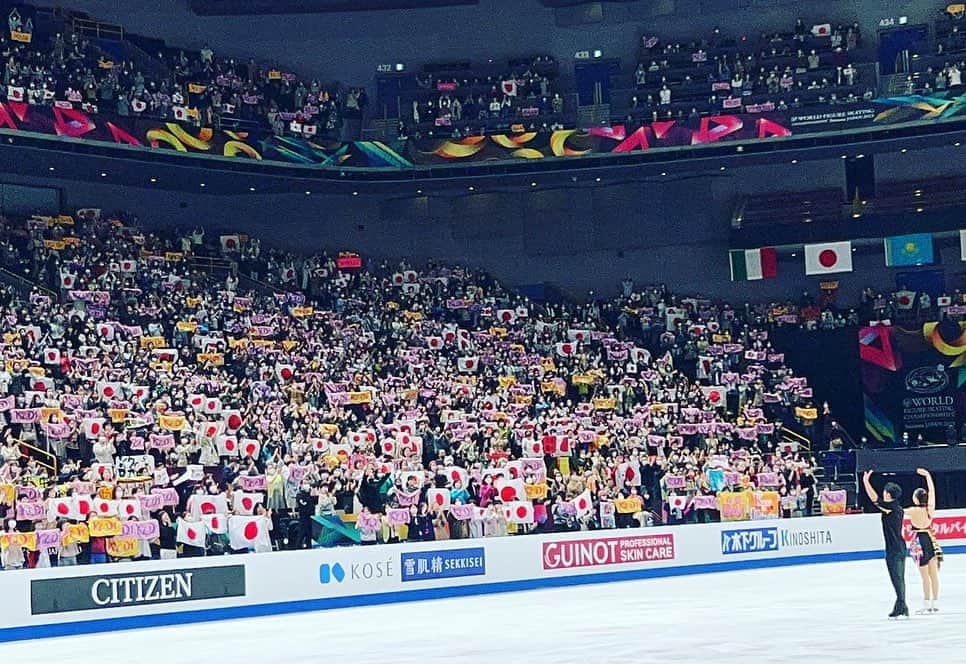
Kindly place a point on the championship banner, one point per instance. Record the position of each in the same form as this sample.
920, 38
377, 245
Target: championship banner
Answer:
912, 380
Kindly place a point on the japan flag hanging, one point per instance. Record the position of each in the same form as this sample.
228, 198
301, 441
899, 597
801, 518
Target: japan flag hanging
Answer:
828, 258
200, 504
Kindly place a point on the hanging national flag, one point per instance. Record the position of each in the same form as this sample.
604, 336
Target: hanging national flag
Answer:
828, 258
915, 249
822, 29
753, 264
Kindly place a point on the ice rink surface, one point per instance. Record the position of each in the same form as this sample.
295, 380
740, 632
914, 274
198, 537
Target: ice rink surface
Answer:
817, 613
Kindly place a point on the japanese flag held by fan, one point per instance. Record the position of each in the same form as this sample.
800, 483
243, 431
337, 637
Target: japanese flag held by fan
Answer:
248, 532
191, 533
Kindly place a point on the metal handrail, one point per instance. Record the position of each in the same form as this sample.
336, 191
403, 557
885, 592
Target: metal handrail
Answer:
24, 281
52, 466
99, 29
792, 436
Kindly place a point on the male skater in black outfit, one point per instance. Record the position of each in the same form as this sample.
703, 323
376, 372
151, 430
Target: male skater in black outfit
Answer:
895, 545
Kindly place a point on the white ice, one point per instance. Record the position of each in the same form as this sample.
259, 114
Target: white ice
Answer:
817, 613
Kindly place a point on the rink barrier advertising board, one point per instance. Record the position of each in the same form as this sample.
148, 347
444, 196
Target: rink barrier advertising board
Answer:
91, 598
443, 564
82, 593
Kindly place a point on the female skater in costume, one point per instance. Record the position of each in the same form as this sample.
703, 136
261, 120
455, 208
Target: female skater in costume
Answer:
925, 548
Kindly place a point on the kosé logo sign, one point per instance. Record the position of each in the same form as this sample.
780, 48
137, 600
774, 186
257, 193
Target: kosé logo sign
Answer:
336, 573
113, 590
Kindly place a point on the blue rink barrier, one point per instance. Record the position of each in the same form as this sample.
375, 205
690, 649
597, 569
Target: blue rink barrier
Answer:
52, 630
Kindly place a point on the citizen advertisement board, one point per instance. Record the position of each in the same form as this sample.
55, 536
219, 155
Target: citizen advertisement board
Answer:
596, 552
103, 591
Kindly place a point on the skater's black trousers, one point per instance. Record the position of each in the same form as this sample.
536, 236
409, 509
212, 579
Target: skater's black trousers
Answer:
897, 574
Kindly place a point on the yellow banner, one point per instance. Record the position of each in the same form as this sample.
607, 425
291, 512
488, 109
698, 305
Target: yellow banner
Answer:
171, 422
196, 88
123, 547
173, 256
806, 413
192, 302
304, 312
48, 414
411, 316
10, 338
16, 366
237, 343
535, 491
187, 326
262, 343
72, 241
360, 397
630, 505
734, 506
550, 387
498, 332
56, 245
104, 526
76, 533
288, 345
604, 404
158, 365
768, 504
720, 338
153, 342
8, 492
117, 414
37, 372
329, 429
211, 359
526, 399
22, 37
506, 381
64, 220
583, 379
26, 540
547, 364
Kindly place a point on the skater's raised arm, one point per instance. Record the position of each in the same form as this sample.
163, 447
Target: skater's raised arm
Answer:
867, 483
930, 488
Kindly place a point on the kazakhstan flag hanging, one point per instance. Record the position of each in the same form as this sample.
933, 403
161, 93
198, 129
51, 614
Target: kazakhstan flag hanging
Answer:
915, 249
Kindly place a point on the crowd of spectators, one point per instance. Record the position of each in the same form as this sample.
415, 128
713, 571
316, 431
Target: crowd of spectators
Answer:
417, 402
456, 101
777, 71
942, 69
70, 71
